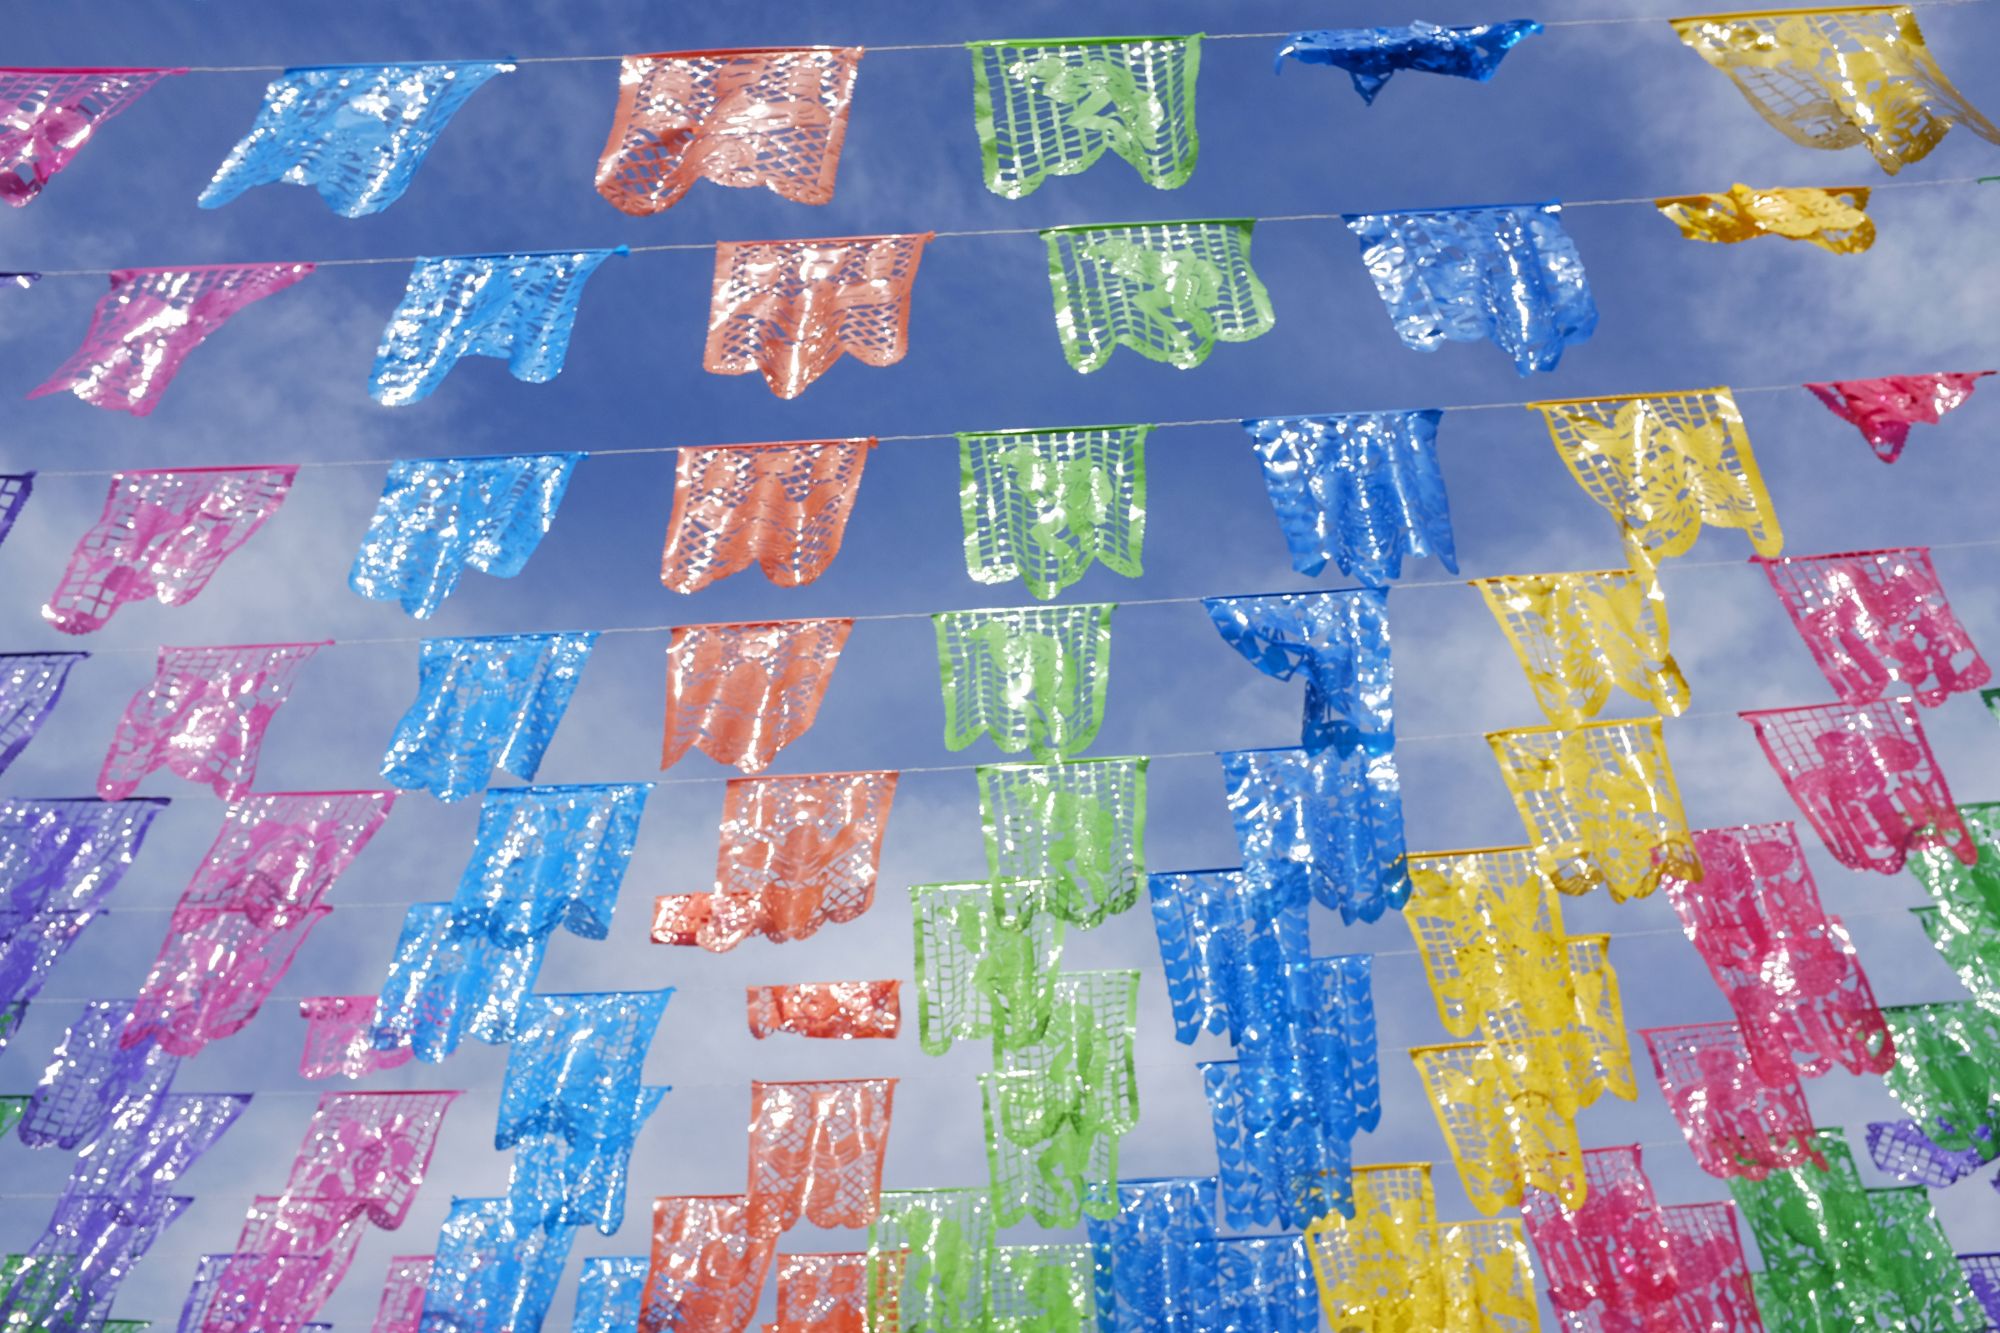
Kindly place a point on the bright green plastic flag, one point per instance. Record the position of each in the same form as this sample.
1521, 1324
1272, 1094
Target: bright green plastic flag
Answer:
1052, 108
928, 1253
1033, 677
1043, 1289
986, 964
1044, 505
1947, 1072
1169, 291
1964, 926
1079, 827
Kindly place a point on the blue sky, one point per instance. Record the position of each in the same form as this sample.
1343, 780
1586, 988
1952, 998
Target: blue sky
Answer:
1590, 112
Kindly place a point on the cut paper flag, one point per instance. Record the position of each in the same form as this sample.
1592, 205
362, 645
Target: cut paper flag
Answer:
517, 307
563, 1180
1339, 641
355, 133
816, 1151
1227, 946
484, 704
548, 858
1325, 824
708, 1265
573, 1070
1902, 1149
818, 1292
1509, 274
1736, 1122
1372, 55
1786, 969
1052, 108
439, 516
1079, 828
62, 860
1834, 219
1947, 1075
1168, 290
1983, 1272
782, 507
1964, 923
30, 686
794, 854
1601, 804
1363, 491
1865, 779
161, 537
774, 118
447, 984
1032, 678
986, 960
203, 717
1878, 623
15, 488
340, 1038
69, 1277
1883, 410
741, 693
790, 309
145, 326
607, 1294
52, 113
929, 1256
1663, 465
490, 1274
1839, 76
152, 1144
1044, 505
829, 1010
1579, 636
1395, 1266
92, 1082
1156, 1260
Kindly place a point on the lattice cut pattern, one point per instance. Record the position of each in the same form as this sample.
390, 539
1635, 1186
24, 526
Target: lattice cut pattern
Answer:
741, 693
1047, 109
15, 488
51, 114
548, 858
1964, 926
829, 1010
1044, 505
1579, 636
1055, 1110
446, 984
161, 537
795, 853
517, 307
1878, 623
1865, 779
790, 309
1339, 641
1078, 828
1902, 1149
782, 507
986, 960
1982, 1271
1663, 465
1033, 678
816, 1152
708, 1265
1328, 824
1509, 275
485, 703
1612, 1256
68, 1280
608, 1294
1363, 491
1265, 1283
214, 971
150, 1143
1227, 945
203, 717
30, 948
1156, 1260
340, 1038
1601, 803
1713, 1276
1168, 290
279, 855
92, 1079
439, 516
775, 118
148, 323
1947, 1074
1835, 219
1788, 971
1507, 1133
355, 133
820, 1293
556, 1182
928, 1254
1838, 77
490, 1274
1372, 55
67, 855
574, 1067
1735, 1121
364, 1155
1884, 409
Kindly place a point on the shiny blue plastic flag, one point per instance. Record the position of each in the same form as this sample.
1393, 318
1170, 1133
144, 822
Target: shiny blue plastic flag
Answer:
516, 307
548, 857
1372, 55
1508, 273
1226, 945
15, 488
609, 1293
1328, 822
59, 860
91, 1078
1363, 491
30, 685
70, 1276
1267, 1285
1156, 1261
557, 1183
574, 1067
484, 703
1338, 640
356, 133
490, 1275
440, 515
447, 984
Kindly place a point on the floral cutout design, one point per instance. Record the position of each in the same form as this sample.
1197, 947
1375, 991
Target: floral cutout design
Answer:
1043, 506
1580, 635
840, 1010
816, 1152
204, 716
782, 507
741, 693
484, 703
1736, 1122
1835, 219
1078, 828
1032, 678
1168, 290
1338, 641
986, 963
